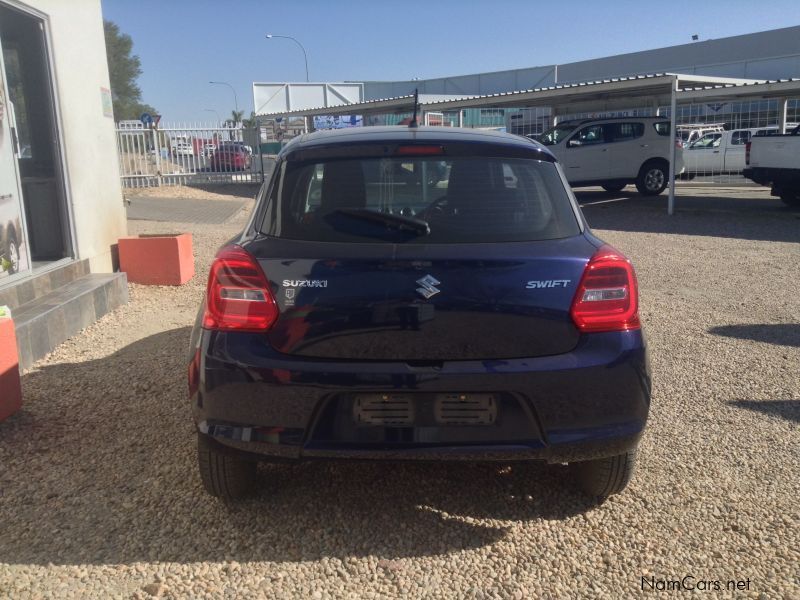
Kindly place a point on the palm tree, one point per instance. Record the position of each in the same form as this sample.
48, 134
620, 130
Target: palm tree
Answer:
233, 122
236, 116
251, 122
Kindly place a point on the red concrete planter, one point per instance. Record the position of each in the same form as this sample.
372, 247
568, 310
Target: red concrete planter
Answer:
10, 387
159, 259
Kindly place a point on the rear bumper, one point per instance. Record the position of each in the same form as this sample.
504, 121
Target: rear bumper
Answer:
588, 403
778, 178
756, 175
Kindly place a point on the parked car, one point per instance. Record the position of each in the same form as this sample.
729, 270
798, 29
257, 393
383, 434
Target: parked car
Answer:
689, 134
243, 146
230, 156
721, 151
615, 152
10, 234
363, 315
182, 148
774, 160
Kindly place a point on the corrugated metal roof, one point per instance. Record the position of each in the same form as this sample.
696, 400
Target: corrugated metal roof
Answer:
704, 83
740, 85
588, 84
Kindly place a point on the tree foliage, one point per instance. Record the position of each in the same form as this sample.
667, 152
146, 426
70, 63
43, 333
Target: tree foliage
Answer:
251, 121
236, 116
124, 69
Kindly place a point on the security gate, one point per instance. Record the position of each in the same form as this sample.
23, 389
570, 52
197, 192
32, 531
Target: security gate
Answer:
185, 154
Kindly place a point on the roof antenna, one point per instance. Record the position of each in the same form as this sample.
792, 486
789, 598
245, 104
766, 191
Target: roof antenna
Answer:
413, 124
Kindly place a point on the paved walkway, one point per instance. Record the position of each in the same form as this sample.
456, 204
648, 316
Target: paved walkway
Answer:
182, 210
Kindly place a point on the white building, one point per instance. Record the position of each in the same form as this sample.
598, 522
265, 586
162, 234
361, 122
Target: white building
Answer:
61, 208
773, 54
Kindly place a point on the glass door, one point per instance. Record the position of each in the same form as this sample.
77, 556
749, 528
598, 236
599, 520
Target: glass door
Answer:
14, 251
29, 91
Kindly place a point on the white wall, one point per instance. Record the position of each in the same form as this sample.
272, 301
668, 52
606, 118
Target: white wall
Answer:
77, 48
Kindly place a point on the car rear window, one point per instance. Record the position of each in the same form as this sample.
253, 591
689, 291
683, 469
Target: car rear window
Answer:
463, 199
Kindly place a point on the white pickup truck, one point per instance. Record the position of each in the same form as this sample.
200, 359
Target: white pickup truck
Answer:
774, 160
720, 151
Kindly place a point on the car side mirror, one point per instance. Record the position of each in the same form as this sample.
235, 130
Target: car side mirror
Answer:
574, 143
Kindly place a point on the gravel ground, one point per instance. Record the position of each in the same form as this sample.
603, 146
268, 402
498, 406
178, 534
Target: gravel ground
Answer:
100, 497
199, 191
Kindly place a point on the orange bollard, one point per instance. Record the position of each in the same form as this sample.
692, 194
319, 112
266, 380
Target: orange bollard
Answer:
10, 386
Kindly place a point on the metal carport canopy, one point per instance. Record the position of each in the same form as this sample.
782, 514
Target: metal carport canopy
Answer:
594, 96
780, 88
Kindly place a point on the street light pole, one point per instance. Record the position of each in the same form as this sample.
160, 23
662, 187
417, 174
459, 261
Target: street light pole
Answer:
235, 98
288, 37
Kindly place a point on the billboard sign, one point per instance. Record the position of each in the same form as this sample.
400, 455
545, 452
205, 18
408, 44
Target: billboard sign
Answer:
279, 98
338, 121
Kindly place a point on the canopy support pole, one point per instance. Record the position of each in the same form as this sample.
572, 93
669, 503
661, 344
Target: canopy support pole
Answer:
673, 109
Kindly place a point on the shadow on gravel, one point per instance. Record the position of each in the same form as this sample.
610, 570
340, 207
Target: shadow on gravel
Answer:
780, 334
728, 217
100, 468
785, 409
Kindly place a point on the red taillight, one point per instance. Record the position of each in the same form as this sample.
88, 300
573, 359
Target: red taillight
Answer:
419, 150
238, 296
747, 152
608, 297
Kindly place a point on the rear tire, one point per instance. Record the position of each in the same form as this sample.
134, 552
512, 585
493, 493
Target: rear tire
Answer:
224, 475
653, 178
613, 189
604, 477
791, 199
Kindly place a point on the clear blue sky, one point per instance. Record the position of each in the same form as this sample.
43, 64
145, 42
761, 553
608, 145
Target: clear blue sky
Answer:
183, 44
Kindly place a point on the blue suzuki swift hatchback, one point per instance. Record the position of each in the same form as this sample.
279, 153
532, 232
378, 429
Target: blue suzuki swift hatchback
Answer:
418, 294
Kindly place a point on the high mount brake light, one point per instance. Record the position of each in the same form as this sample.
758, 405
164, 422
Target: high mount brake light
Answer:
608, 296
414, 150
238, 297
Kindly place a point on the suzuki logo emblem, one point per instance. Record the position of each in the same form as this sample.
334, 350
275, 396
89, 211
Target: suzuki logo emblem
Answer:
427, 287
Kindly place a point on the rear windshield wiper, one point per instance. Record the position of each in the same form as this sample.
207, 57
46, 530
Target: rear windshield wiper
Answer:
398, 222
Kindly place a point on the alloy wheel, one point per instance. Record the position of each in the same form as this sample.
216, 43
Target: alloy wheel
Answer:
654, 179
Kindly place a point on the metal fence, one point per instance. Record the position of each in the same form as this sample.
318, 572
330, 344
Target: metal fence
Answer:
715, 135
181, 154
